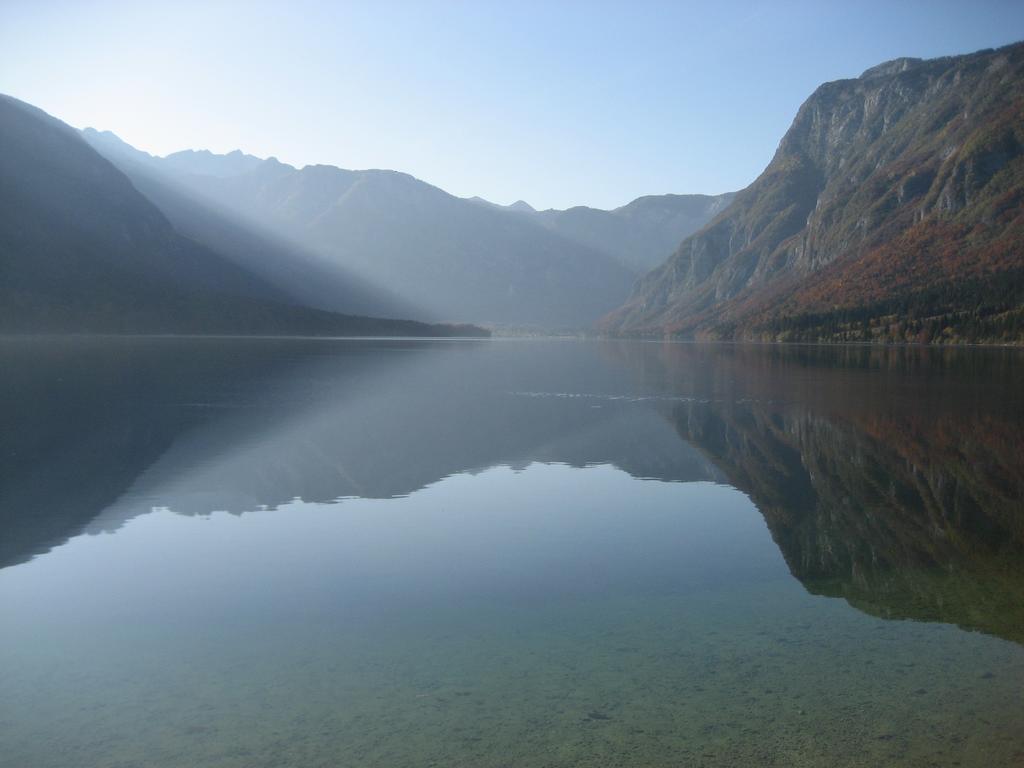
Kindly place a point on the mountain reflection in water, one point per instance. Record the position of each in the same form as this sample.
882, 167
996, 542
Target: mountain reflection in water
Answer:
892, 478
262, 553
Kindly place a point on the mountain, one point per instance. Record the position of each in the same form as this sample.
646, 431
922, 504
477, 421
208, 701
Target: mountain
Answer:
891, 211
448, 257
82, 250
522, 206
304, 277
519, 206
203, 162
641, 234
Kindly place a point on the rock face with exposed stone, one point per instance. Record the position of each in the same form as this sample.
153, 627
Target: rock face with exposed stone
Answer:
892, 210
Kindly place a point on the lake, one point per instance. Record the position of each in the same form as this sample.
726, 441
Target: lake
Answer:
259, 552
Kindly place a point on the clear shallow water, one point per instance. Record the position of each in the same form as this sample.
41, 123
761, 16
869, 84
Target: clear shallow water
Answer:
245, 553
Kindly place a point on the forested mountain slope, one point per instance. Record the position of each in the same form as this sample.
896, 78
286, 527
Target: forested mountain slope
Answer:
892, 210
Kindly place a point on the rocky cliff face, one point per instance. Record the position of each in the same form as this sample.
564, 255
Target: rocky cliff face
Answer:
893, 209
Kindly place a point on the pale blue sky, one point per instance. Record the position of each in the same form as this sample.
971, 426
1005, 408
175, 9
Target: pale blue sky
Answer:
558, 103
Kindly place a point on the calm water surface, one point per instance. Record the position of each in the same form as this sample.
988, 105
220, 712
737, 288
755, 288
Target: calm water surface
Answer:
411, 553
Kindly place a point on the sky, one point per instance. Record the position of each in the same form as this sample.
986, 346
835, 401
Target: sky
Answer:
559, 103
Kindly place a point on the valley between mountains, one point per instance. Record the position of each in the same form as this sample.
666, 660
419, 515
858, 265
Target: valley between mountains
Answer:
892, 211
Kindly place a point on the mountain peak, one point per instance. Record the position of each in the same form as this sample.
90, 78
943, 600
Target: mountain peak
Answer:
890, 68
520, 206
108, 135
203, 162
889, 196
111, 142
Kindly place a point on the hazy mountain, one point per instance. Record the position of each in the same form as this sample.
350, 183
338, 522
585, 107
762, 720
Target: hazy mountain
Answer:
522, 206
892, 210
519, 206
331, 238
203, 162
450, 257
82, 250
639, 235
303, 276
642, 234
453, 257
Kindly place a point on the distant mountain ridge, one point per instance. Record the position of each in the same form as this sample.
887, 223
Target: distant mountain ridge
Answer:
205, 163
81, 250
448, 257
640, 234
893, 210
522, 268
304, 277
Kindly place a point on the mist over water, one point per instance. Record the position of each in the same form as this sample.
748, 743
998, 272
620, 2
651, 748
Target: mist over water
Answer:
286, 552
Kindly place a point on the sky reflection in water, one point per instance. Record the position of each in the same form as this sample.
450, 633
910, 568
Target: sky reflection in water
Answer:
510, 553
